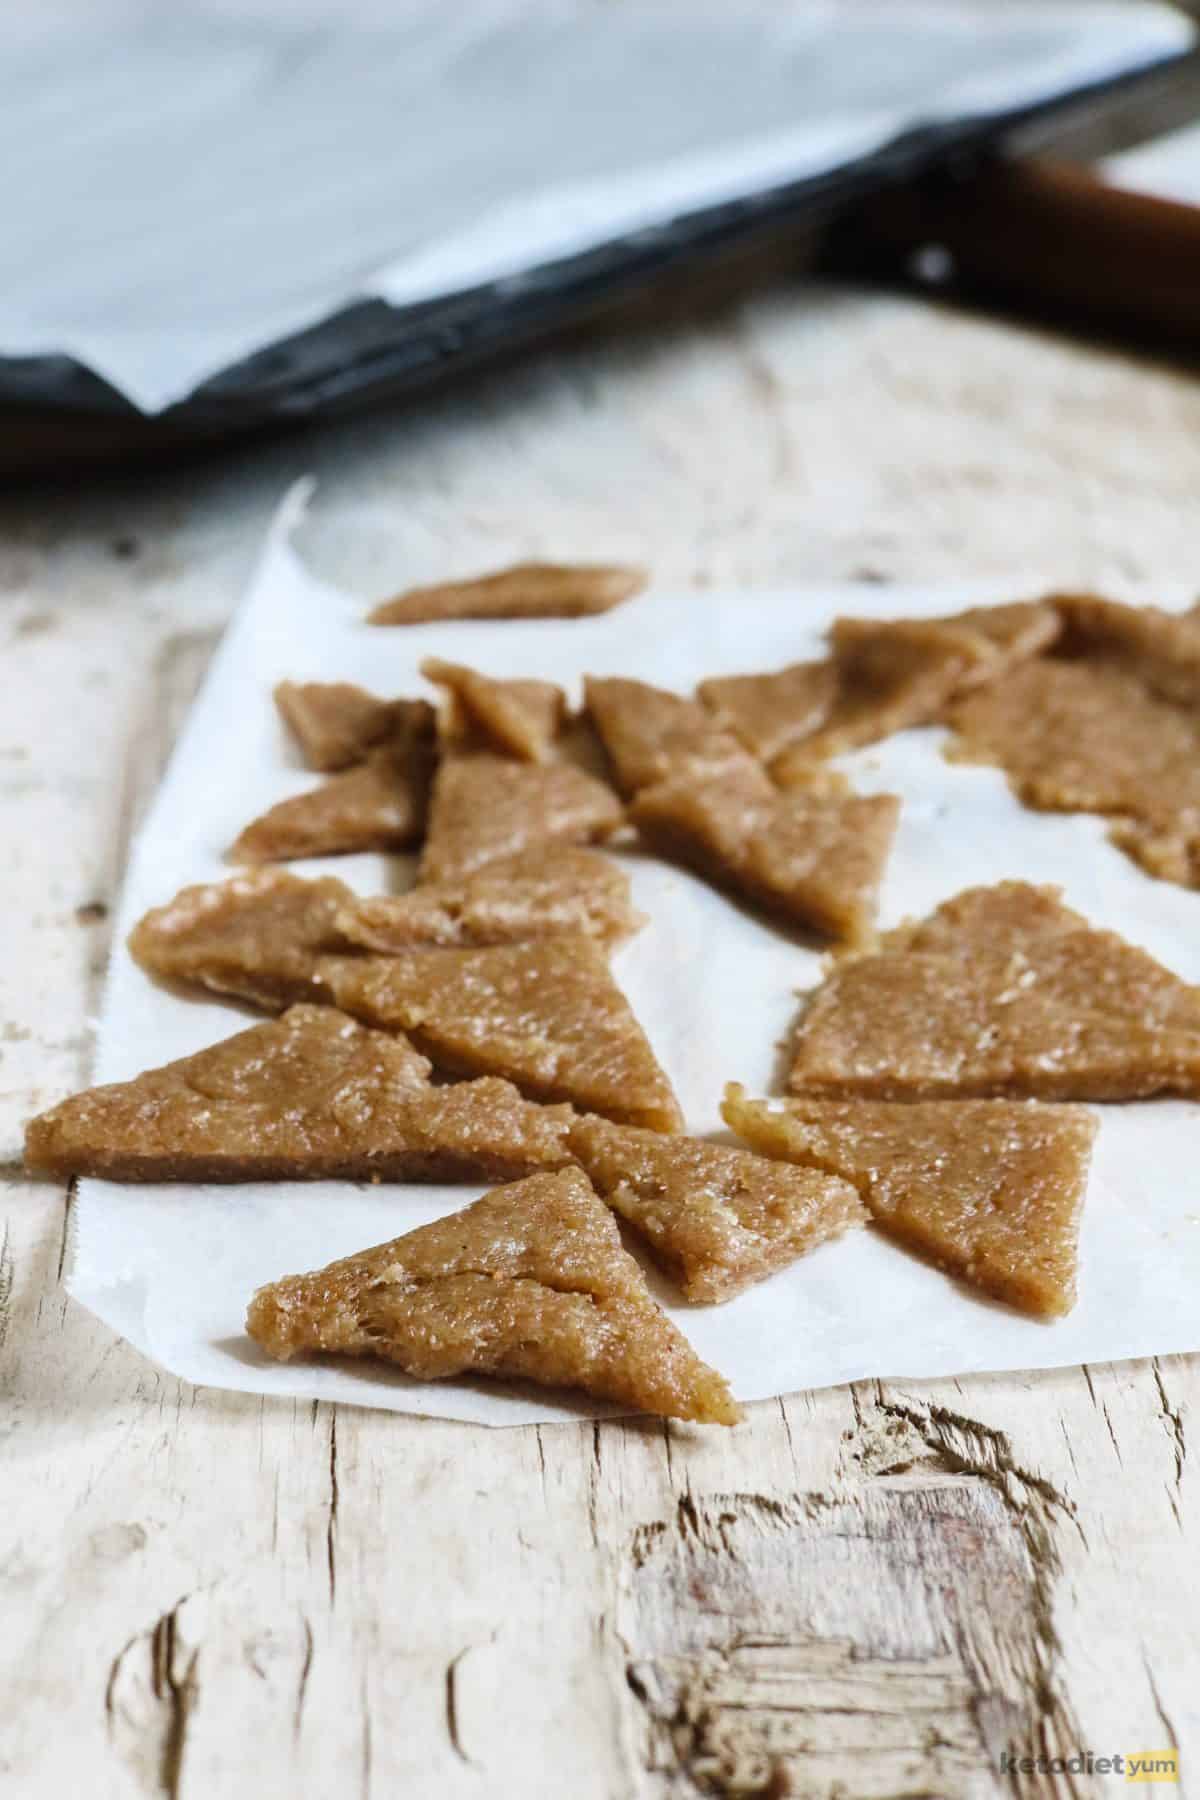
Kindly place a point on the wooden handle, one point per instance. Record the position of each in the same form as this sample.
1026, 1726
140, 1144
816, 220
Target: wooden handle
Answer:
1056, 237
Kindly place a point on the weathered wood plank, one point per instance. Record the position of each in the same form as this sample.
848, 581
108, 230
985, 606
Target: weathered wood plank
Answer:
876, 1588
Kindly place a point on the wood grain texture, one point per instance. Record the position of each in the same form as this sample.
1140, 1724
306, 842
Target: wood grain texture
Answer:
864, 1592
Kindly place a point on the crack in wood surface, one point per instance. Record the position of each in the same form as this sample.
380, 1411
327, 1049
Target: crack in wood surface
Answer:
1034, 1504
7, 1274
149, 1699
1172, 1417
755, 1674
452, 1731
331, 1521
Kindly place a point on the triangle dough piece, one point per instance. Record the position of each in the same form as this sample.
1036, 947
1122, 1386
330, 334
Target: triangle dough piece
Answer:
1013, 631
530, 1283
529, 590
336, 723
990, 1190
649, 733
813, 856
378, 805
487, 806
547, 1016
715, 1219
768, 712
1005, 991
258, 936
309, 1096
519, 718
892, 674
554, 890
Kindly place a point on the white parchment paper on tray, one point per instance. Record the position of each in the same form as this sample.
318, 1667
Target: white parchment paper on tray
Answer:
172, 1268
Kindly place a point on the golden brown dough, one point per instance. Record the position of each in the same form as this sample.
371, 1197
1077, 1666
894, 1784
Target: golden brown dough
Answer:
307, 1097
1089, 735
487, 806
531, 1282
259, 935
1002, 991
814, 857
1159, 649
378, 805
552, 890
336, 723
548, 1016
1008, 634
649, 733
990, 1190
519, 718
770, 711
525, 591
715, 1219
892, 675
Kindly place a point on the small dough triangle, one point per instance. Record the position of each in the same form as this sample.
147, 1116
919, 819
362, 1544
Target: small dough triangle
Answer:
547, 1016
486, 806
530, 1283
519, 718
649, 733
545, 892
336, 723
813, 856
770, 711
380, 804
1005, 635
1002, 991
531, 590
309, 1096
258, 936
990, 1190
716, 1219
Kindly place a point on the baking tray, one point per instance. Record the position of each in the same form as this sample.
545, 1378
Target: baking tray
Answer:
369, 350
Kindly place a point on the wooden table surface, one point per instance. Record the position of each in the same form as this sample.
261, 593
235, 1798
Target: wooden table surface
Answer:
867, 1591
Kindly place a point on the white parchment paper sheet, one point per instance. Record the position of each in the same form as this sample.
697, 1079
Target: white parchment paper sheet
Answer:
172, 1268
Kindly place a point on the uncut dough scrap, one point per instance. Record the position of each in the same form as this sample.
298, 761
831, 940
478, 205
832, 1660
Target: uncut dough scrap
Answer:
546, 1015
259, 936
649, 733
1162, 649
334, 722
815, 857
716, 1219
487, 806
531, 1282
990, 1190
1098, 733
1005, 991
524, 591
309, 1096
521, 718
380, 804
556, 889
